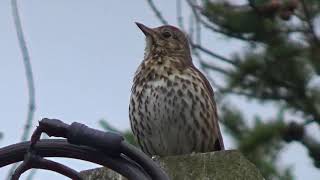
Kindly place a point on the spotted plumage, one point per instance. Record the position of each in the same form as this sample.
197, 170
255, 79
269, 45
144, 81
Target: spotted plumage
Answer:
172, 109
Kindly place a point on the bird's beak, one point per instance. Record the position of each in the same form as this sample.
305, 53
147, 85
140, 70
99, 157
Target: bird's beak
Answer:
146, 30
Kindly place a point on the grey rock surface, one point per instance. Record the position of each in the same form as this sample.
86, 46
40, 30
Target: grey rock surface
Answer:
221, 165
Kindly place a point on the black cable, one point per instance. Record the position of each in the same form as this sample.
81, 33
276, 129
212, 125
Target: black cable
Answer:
108, 142
110, 147
151, 167
61, 148
33, 161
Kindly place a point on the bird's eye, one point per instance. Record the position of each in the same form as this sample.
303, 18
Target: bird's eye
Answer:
166, 34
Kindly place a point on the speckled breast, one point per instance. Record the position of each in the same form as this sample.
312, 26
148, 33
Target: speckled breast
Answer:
171, 113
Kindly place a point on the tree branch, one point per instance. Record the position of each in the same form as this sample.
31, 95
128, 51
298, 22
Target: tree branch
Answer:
207, 51
28, 73
179, 14
212, 28
206, 65
157, 12
28, 70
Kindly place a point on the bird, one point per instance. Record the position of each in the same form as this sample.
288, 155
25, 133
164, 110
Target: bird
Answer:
172, 110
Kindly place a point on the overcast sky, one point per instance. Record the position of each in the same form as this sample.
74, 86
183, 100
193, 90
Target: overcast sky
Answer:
84, 54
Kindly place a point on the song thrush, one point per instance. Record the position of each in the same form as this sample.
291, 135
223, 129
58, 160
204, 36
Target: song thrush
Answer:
172, 109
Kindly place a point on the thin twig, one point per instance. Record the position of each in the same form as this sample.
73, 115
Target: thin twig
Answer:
252, 95
198, 46
179, 14
203, 65
157, 12
28, 73
212, 28
198, 29
206, 65
28, 70
220, 57
191, 30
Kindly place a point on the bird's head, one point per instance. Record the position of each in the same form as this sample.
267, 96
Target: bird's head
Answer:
166, 40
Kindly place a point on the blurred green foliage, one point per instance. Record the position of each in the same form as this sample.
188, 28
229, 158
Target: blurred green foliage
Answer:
279, 65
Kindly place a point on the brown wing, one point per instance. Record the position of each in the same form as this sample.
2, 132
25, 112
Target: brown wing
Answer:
220, 144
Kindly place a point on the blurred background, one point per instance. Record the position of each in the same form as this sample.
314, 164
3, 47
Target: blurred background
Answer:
262, 58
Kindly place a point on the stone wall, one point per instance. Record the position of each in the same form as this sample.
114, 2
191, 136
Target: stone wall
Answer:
222, 165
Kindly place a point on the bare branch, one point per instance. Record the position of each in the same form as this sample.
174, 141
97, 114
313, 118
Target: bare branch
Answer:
212, 28
207, 51
191, 29
255, 96
157, 12
179, 14
205, 67
28, 72
28, 69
